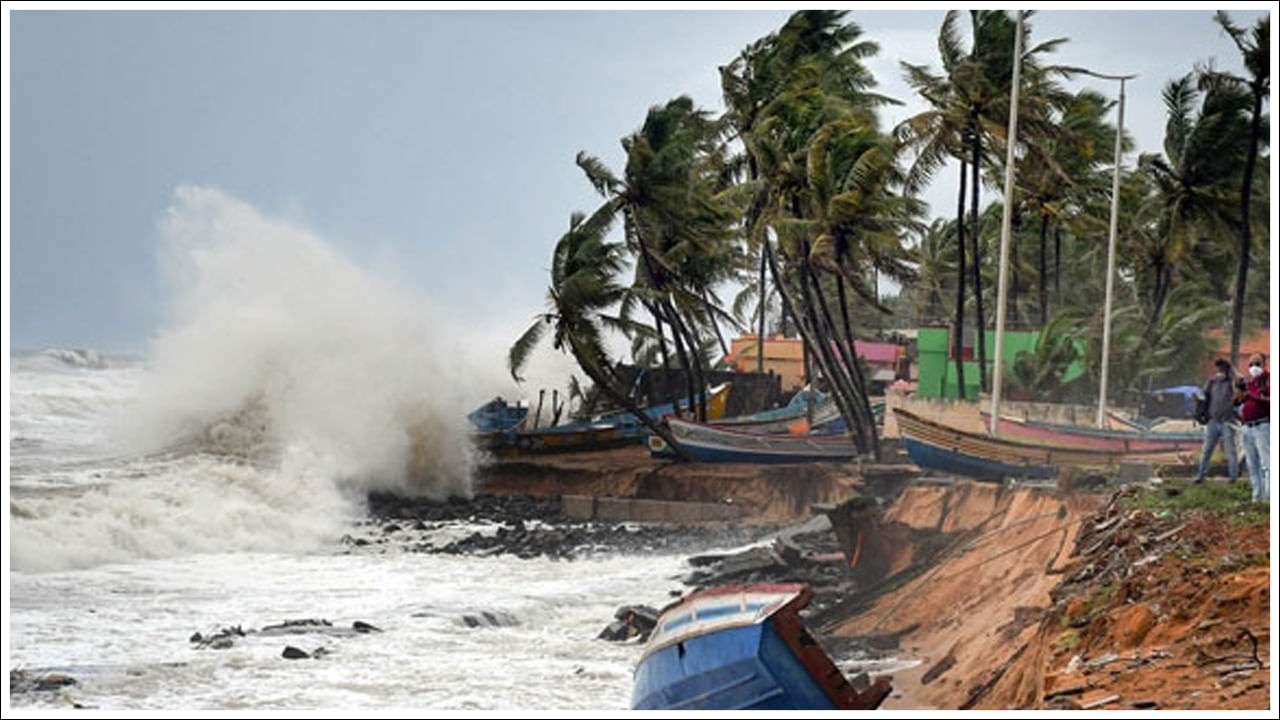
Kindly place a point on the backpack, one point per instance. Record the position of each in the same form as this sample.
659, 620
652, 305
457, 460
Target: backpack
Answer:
1202, 408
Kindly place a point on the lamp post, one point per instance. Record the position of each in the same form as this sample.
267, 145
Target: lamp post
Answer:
1111, 247
1005, 226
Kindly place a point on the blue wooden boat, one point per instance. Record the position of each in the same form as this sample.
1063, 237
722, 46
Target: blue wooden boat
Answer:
709, 443
497, 415
743, 647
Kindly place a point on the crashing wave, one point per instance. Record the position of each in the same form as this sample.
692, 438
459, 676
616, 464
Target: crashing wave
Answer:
78, 358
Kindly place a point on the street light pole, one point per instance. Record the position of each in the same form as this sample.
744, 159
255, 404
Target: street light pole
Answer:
1111, 249
1005, 229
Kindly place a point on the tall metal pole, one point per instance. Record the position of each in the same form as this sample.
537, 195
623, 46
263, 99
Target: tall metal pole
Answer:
1111, 254
1005, 228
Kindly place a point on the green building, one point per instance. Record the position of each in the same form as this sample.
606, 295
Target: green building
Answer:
937, 367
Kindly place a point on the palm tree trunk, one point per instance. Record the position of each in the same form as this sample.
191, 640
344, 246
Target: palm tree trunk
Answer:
764, 295
858, 379
1057, 265
695, 362
711, 317
593, 371
976, 256
807, 332
676, 335
841, 390
672, 395
1044, 257
957, 339
1246, 189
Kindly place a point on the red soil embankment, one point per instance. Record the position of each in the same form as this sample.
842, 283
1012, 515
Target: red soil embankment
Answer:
979, 603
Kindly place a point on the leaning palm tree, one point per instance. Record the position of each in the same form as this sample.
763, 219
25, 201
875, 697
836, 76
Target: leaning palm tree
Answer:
584, 290
1254, 45
676, 226
815, 46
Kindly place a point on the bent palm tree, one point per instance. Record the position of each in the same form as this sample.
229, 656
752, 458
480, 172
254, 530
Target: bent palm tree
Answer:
583, 289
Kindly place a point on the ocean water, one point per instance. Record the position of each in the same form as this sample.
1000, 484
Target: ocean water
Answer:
208, 483
117, 558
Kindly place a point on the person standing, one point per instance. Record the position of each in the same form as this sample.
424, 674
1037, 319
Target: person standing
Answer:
1255, 416
1219, 391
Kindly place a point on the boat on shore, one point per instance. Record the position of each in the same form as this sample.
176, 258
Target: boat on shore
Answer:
710, 443
947, 449
743, 647
1095, 438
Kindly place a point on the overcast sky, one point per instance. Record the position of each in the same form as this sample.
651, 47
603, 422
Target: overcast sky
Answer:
434, 149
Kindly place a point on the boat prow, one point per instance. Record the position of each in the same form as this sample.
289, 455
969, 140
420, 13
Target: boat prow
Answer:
743, 647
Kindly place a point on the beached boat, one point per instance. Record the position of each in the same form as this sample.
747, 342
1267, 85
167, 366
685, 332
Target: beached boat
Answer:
1095, 438
566, 438
743, 647
947, 449
603, 433
778, 420
717, 401
708, 443
497, 415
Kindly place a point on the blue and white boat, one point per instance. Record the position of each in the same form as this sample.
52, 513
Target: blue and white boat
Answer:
743, 647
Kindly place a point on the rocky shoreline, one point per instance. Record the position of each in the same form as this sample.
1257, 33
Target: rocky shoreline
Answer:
527, 527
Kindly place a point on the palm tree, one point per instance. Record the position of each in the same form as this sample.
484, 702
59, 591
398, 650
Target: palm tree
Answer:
584, 268
970, 115
1205, 145
676, 228
812, 45
1254, 49
935, 265
1063, 166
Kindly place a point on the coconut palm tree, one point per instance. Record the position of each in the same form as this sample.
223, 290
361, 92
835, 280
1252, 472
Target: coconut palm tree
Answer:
813, 45
1254, 45
583, 292
1206, 138
969, 117
676, 227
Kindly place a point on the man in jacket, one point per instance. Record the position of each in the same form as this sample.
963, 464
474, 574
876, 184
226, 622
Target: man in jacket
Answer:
1255, 417
1220, 392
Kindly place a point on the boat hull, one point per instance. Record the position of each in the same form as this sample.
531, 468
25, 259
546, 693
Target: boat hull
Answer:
935, 458
1096, 439
742, 648
952, 450
707, 443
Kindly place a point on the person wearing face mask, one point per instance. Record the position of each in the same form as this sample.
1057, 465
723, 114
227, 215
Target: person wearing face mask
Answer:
1221, 425
1254, 397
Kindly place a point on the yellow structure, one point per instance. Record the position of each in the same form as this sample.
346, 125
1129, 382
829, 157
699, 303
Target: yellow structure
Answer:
782, 356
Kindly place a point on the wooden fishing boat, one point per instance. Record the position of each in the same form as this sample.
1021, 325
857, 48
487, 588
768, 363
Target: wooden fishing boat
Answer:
709, 443
1095, 438
947, 449
743, 647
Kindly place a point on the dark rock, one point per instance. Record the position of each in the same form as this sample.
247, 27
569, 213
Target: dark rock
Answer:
617, 631
195, 637
364, 627
221, 643
489, 619
53, 681
392, 528
297, 627
293, 653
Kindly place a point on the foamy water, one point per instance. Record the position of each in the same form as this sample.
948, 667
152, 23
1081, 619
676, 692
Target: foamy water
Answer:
209, 483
